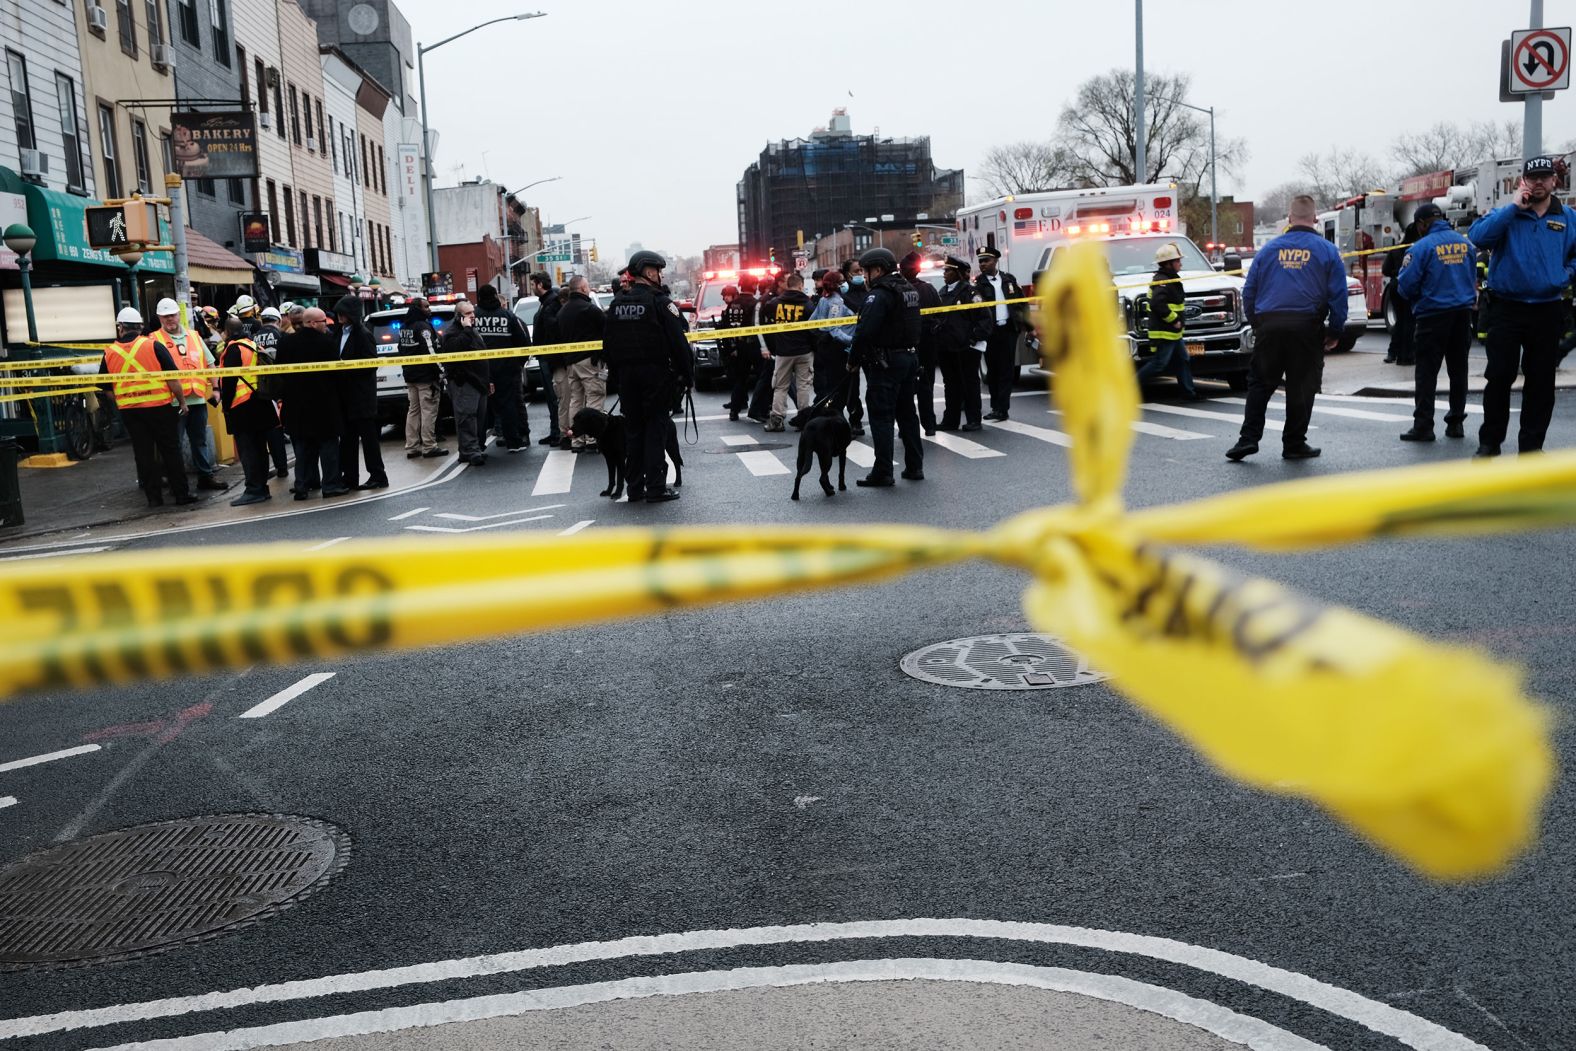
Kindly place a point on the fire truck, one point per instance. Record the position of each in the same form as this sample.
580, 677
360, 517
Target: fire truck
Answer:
1130, 223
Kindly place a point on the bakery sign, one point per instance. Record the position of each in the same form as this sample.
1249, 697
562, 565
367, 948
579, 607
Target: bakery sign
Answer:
214, 145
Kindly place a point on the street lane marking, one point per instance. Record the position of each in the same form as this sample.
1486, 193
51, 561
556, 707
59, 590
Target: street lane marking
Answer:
1372, 1014
962, 446
1352, 414
1187, 1010
1044, 434
34, 760
328, 543
738, 439
409, 514
572, 530
1205, 414
57, 554
861, 454
286, 695
488, 518
557, 474
762, 462
6, 801
475, 528
1407, 400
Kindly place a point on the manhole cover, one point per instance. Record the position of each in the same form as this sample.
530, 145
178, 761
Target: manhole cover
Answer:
1020, 660
138, 890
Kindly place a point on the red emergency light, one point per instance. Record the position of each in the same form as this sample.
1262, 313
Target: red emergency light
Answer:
1023, 213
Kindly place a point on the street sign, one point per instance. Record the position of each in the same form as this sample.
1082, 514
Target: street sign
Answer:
558, 252
1540, 60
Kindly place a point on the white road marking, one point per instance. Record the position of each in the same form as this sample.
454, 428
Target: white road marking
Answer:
476, 528
572, 530
738, 439
1381, 1017
962, 446
1168, 1003
861, 454
286, 695
34, 760
409, 514
6, 801
1044, 434
1407, 400
762, 462
558, 472
456, 516
1205, 414
328, 543
56, 554
1353, 414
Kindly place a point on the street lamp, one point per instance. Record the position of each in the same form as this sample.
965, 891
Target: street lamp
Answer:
1214, 197
527, 186
426, 152
19, 237
508, 239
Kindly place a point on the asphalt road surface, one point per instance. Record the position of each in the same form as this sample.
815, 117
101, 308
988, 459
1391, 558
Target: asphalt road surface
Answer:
746, 826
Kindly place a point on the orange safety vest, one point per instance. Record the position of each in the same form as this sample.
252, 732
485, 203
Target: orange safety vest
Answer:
190, 358
139, 382
246, 383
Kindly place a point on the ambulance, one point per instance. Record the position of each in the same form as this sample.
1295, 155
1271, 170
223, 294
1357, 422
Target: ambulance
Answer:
1130, 223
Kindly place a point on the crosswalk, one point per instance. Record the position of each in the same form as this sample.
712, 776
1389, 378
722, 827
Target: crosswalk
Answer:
755, 454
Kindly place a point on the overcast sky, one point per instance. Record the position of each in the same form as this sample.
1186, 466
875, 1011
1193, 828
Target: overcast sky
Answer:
652, 110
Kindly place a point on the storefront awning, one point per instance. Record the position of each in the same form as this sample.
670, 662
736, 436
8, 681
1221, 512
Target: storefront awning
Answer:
210, 263
335, 280
60, 222
302, 282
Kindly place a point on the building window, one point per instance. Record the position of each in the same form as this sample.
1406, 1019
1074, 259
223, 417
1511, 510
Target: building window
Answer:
155, 23
388, 251
207, 188
295, 117
273, 210
219, 18
317, 220
333, 232
139, 155
306, 228
166, 150
262, 84
345, 235
372, 246
383, 178
21, 101
289, 218
333, 147
322, 136
127, 27
186, 14
246, 75
279, 104
109, 151
71, 139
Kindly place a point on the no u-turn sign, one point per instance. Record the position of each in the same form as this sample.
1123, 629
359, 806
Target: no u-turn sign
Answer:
1540, 60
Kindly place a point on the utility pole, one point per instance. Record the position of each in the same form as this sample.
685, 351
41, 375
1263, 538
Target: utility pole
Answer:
183, 286
1532, 115
1140, 151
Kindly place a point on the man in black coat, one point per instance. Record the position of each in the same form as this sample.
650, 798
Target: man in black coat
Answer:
925, 382
313, 415
545, 333
499, 327
959, 335
358, 394
1001, 346
469, 385
585, 383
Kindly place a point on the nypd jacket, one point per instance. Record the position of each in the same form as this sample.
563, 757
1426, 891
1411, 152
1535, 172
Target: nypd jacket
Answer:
500, 327
889, 319
1438, 273
928, 297
960, 330
418, 340
1534, 256
739, 314
1298, 273
644, 327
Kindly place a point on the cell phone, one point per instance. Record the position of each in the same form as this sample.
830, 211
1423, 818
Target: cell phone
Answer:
1523, 193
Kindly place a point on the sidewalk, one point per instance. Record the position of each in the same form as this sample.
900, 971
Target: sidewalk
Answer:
1362, 371
101, 492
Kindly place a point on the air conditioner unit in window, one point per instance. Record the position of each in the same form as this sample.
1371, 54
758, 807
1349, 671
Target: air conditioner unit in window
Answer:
35, 164
97, 18
160, 54
265, 121
311, 143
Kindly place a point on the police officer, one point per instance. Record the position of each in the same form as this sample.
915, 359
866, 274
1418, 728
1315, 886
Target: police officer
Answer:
1533, 241
1295, 299
925, 381
886, 342
500, 327
1437, 278
960, 339
265, 336
1167, 309
1001, 346
645, 348
742, 355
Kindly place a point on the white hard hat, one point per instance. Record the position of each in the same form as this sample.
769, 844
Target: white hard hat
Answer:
128, 316
286, 307
271, 313
244, 304
1167, 252
167, 306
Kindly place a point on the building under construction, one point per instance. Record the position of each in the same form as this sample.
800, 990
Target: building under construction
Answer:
804, 188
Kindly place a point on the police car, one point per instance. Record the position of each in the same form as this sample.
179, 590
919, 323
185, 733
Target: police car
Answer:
706, 310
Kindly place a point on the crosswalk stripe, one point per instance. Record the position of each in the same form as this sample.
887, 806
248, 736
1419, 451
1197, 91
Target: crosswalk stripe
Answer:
861, 454
1158, 430
1329, 410
1044, 434
1205, 414
762, 462
962, 446
738, 439
1368, 400
558, 472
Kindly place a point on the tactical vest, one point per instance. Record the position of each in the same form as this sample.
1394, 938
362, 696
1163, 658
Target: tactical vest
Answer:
902, 327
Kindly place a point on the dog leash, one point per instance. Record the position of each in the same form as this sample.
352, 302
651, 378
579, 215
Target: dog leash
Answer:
691, 421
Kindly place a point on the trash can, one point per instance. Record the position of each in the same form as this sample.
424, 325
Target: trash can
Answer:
10, 485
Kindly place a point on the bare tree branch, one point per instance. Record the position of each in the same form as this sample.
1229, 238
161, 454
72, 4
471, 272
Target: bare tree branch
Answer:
1024, 167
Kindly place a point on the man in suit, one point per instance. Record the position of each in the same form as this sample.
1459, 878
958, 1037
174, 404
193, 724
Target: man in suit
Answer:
1001, 344
358, 393
313, 416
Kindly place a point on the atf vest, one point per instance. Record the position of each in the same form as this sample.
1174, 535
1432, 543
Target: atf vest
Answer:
902, 325
246, 383
139, 379
186, 361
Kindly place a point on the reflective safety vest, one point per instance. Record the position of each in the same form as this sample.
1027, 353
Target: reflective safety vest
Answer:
139, 379
190, 358
246, 383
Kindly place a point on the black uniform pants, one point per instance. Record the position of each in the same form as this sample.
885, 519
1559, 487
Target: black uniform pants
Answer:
644, 395
1287, 348
156, 446
960, 387
1445, 338
742, 365
317, 464
1001, 366
277, 449
891, 394
507, 408
925, 395
361, 435
831, 369
761, 399
251, 448
1401, 336
1524, 337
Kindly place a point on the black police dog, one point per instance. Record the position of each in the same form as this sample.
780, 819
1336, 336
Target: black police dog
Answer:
608, 433
824, 438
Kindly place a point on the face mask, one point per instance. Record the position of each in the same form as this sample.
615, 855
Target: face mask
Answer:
858, 279
843, 287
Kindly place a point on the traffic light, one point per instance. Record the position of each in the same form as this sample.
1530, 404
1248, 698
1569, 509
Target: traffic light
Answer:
771, 256
919, 240
593, 253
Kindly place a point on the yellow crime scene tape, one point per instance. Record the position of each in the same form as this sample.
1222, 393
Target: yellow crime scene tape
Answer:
4, 398
1431, 751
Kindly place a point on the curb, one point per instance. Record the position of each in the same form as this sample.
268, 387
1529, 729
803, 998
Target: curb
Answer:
1407, 391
